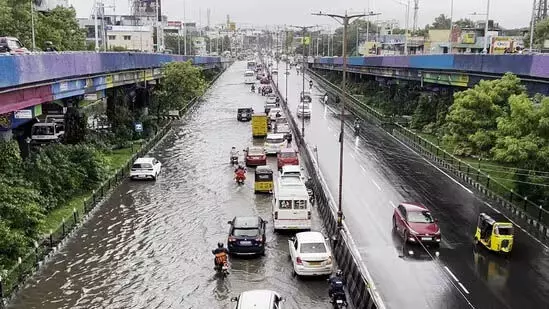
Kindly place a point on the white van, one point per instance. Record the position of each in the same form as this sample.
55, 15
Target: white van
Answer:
249, 77
273, 143
291, 207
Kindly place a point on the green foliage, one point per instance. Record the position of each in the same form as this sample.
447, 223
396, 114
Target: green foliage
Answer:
59, 25
118, 48
471, 123
20, 206
10, 158
541, 33
182, 82
13, 244
441, 22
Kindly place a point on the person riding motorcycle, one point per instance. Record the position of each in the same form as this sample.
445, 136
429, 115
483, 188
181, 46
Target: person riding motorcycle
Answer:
221, 255
253, 88
337, 285
234, 154
356, 125
240, 172
310, 84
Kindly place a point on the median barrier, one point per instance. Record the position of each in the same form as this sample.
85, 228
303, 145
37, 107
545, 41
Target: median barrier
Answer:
515, 205
359, 284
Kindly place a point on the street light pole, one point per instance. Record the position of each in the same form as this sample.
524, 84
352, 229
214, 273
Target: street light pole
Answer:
451, 25
32, 26
532, 25
345, 21
485, 50
304, 30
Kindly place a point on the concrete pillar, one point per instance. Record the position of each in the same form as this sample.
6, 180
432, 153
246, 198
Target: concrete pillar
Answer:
6, 135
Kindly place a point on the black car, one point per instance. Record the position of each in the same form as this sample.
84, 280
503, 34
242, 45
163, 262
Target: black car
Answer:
247, 236
244, 114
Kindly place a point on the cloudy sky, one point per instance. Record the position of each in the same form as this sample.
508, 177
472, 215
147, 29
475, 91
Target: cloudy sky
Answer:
509, 13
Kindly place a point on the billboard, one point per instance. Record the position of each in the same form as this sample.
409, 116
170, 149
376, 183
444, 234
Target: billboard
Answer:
177, 24
468, 38
148, 8
500, 44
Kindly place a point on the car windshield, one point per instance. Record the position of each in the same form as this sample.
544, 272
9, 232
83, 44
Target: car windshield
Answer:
503, 230
246, 232
142, 165
420, 217
288, 155
272, 140
313, 247
46, 130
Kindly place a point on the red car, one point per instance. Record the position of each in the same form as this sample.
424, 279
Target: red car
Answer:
414, 223
287, 156
255, 156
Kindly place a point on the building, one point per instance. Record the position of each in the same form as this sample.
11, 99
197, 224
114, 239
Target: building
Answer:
48, 5
136, 38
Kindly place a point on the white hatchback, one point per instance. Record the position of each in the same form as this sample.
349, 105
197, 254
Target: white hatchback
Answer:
274, 142
310, 254
144, 168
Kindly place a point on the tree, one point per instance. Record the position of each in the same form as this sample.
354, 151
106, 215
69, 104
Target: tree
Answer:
472, 120
182, 82
441, 22
541, 33
226, 43
465, 23
76, 126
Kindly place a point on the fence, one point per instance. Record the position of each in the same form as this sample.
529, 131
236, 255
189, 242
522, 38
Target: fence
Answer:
519, 206
361, 292
12, 279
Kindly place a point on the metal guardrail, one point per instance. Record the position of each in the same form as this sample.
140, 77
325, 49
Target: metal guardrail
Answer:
360, 284
519, 206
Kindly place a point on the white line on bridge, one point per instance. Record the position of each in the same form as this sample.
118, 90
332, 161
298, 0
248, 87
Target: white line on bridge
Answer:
375, 183
463, 287
451, 273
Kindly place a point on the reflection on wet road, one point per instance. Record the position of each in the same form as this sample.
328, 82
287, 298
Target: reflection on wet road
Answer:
149, 245
379, 173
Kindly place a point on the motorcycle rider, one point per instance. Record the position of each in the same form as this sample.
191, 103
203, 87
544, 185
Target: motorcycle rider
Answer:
234, 154
356, 125
253, 87
337, 285
240, 171
221, 255
311, 84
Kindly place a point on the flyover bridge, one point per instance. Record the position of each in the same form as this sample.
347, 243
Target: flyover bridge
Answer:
27, 81
451, 70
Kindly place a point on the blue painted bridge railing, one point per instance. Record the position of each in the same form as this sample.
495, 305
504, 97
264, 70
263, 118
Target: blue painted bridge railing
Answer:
534, 66
37, 68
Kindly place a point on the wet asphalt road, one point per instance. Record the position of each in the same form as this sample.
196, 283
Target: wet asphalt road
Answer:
149, 245
379, 173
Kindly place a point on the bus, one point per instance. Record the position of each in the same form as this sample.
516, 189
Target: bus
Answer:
249, 77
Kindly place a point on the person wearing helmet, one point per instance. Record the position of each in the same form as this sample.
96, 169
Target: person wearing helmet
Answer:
234, 155
221, 255
309, 183
240, 172
337, 285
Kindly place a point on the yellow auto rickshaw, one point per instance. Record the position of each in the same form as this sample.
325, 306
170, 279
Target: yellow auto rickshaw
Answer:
263, 179
495, 232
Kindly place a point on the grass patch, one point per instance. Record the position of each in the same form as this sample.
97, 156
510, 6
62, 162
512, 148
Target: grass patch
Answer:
115, 160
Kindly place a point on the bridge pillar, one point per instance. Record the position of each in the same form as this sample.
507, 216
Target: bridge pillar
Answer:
6, 135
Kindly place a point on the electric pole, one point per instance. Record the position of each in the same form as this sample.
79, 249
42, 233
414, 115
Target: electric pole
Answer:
344, 20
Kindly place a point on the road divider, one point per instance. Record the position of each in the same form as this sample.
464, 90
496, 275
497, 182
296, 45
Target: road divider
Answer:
362, 291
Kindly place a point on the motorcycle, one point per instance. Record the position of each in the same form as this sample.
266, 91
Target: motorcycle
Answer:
222, 270
239, 178
234, 160
252, 89
311, 194
339, 301
357, 129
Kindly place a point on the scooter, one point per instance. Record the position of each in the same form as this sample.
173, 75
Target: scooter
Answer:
234, 160
357, 129
239, 178
339, 301
311, 196
222, 270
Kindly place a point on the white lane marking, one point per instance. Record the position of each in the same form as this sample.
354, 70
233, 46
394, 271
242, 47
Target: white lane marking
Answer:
463, 287
433, 165
352, 156
520, 227
363, 169
451, 273
375, 183
392, 204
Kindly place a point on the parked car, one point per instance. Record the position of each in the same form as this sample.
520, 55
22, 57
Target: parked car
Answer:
310, 254
258, 299
287, 156
47, 132
244, 114
255, 156
12, 46
247, 236
144, 168
414, 222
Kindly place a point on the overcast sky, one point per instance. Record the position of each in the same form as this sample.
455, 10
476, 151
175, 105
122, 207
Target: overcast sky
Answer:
509, 13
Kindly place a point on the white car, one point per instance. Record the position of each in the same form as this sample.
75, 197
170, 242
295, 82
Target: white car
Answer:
273, 111
144, 168
271, 99
274, 72
258, 299
291, 171
304, 110
311, 255
273, 143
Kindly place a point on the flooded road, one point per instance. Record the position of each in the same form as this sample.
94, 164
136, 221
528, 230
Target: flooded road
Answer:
380, 173
149, 245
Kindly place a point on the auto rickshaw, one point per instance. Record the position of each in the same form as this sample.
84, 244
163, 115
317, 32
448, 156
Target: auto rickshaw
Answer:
494, 232
263, 179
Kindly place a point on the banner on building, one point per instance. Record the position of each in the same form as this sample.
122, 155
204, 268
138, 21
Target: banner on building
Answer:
177, 24
468, 38
501, 44
305, 40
